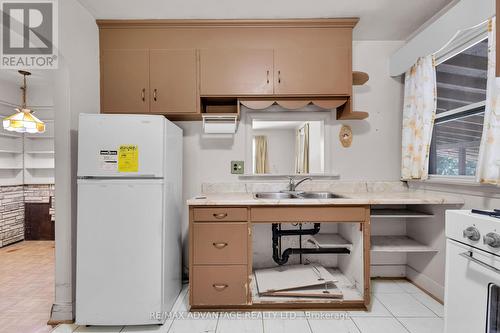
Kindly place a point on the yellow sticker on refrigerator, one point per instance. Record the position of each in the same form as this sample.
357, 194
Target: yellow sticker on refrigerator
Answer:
128, 158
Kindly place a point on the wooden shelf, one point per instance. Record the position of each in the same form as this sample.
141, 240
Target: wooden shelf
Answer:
398, 213
8, 135
330, 241
40, 152
39, 168
401, 244
353, 115
359, 78
10, 151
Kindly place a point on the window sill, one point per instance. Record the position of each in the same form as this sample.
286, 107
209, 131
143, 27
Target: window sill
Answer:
456, 184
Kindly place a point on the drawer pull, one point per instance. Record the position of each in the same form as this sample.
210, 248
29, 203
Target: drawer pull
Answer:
220, 245
220, 215
219, 287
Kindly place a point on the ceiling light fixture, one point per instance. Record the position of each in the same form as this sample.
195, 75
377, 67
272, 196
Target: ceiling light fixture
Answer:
23, 121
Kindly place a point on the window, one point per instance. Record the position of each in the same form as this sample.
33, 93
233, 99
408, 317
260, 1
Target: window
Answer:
461, 96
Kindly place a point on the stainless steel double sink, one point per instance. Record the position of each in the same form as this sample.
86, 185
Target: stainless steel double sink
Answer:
296, 195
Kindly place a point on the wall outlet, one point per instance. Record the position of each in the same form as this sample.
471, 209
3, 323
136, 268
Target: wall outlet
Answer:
237, 167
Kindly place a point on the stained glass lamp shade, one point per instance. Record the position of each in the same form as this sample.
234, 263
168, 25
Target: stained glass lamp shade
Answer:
23, 121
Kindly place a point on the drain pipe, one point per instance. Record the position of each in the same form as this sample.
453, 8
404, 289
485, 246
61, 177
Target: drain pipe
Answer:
281, 259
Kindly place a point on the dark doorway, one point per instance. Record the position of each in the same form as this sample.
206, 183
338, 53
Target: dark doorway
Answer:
38, 223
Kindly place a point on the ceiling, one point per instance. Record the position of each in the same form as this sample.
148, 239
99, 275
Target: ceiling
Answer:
379, 19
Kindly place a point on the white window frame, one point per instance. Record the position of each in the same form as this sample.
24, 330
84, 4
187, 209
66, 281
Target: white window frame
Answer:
460, 44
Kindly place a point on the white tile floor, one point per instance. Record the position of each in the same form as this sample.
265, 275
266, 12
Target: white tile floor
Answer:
397, 307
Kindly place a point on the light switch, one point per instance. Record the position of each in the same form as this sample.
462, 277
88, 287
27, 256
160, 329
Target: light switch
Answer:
237, 167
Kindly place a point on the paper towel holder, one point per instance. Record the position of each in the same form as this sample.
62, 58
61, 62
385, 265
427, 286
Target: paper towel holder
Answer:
220, 123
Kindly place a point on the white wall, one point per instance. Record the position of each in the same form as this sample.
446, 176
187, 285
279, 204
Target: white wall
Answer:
280, 150
374, 154
39, 93
76, 87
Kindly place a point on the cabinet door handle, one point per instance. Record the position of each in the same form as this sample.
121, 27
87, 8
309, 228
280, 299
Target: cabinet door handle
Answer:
220, 215
155, 92
220, 245
143, 94
219, 286
267, 76
279, 76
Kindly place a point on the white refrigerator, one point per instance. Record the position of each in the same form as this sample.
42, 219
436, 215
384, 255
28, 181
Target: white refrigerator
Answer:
128, 264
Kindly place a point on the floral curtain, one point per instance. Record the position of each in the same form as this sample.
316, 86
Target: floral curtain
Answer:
488, 166
260, 154
418, 118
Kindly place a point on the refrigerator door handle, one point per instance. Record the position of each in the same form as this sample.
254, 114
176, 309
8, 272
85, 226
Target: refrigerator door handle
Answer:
123, 177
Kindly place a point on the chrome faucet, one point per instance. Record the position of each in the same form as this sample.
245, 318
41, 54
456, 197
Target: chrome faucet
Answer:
292, 184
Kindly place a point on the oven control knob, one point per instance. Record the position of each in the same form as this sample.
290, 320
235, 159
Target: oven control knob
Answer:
492, 239
472, 233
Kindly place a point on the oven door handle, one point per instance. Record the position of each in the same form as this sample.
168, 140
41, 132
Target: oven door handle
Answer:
469, 256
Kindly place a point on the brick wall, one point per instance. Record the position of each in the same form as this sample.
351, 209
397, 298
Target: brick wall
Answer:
12, 199
40, 194
11, 214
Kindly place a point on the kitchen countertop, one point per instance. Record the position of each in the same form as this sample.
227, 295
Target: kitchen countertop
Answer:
410, 197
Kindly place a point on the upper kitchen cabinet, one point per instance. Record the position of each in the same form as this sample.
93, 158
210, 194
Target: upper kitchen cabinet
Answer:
312, 71
125, 81
179, 67
173, 81
236, 72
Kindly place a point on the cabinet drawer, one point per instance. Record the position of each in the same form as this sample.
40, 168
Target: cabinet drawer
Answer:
220, 214
219, 285
308, 214
220, 243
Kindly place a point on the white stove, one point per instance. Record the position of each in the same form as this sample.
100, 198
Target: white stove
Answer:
472, 286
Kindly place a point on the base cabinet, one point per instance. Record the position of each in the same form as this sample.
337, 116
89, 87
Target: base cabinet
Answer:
219, 285
221, 272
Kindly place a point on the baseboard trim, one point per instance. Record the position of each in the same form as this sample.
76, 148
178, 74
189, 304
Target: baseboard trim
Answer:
425, 283
388, 271
54, 323
61, 313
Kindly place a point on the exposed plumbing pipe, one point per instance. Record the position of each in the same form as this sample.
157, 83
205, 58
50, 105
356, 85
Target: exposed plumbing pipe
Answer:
281, 259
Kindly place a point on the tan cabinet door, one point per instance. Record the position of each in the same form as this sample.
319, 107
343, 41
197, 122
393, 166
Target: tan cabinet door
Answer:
319, 71
236, 72
125, 81
173, 81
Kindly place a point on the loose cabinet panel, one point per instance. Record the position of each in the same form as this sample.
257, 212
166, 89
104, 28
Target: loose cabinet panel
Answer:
227, 72
308, 71
173, 81
125, 81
